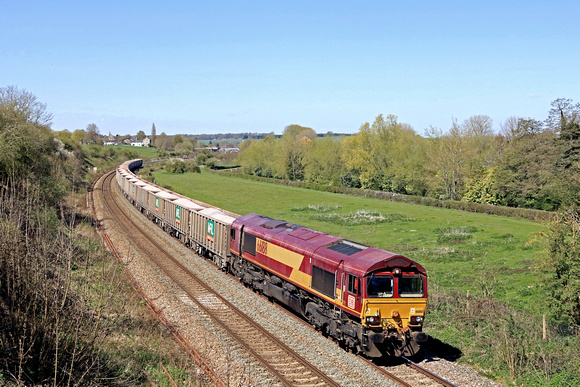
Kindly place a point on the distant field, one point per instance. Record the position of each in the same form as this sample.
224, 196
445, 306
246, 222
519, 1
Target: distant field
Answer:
485, 254
142, 151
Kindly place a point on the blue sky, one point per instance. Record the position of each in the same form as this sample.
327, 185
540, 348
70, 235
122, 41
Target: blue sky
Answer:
196, 67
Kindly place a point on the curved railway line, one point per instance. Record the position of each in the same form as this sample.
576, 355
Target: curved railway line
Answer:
289, 368
286, 366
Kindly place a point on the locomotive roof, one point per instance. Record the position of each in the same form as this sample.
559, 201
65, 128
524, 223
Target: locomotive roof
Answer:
333, 250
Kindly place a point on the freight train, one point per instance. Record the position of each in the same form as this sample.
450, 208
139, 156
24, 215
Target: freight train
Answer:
371, 301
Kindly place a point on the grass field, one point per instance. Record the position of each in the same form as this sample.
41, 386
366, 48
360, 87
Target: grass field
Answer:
142, 151
486, 255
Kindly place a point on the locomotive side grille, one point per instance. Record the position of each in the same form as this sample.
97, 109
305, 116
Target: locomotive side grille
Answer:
346, 248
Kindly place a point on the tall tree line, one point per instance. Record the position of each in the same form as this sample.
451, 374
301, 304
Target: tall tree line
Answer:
529, 163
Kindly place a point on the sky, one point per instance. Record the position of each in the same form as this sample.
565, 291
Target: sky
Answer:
194, 67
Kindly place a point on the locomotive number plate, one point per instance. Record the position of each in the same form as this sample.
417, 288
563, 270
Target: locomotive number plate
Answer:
351, 301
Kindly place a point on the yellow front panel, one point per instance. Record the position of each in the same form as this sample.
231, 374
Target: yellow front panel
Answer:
406, 307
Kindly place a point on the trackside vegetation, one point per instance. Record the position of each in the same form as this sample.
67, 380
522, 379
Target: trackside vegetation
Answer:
67, 313
492, 278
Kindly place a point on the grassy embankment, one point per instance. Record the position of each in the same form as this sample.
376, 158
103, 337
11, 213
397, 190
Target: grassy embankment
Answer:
486, 289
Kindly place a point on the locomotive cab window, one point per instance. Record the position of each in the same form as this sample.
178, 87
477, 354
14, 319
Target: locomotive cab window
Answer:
411, 286
353, 284
380, 286
233, 234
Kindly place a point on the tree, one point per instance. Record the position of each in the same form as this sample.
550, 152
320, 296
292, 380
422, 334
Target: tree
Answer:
568, 161
164, 142
562, 113
140, 135
358, 160
92, 135
387, 155
153, 134
479, 125
24, 105
78, 135
447, 161
258, 157
25, 144
323, 163
186, 146
481, 189
526, 175
563, 260
293, 147
29, 150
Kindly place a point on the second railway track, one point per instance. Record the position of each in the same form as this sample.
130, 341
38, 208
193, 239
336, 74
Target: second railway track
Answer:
287, 367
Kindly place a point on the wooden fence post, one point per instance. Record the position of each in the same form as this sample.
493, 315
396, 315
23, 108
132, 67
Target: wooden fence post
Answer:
544, 327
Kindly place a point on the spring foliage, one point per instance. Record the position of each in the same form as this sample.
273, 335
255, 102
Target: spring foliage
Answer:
563, 261
529, 164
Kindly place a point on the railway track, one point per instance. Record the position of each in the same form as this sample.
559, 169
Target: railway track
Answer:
286, 366
412, 375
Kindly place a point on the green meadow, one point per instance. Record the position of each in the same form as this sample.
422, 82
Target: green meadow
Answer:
142, 151
489, 256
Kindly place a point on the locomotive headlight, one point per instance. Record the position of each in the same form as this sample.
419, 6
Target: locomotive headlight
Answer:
416, 319
372, 319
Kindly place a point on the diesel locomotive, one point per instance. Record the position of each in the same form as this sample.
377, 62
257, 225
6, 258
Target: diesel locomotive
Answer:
371, 301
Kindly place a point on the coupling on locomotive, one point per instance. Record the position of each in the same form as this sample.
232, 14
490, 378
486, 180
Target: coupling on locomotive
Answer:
371, 301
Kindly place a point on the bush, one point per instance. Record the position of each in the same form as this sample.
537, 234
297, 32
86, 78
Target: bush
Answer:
506, 342
175, 166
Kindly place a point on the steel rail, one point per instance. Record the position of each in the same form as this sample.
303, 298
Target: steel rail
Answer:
427, 373
199, 360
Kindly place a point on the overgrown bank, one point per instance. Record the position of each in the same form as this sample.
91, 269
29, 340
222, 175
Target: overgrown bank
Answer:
68, 316
67, 313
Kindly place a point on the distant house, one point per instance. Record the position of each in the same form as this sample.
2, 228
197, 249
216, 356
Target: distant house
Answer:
146, 141
110, 143
136, 144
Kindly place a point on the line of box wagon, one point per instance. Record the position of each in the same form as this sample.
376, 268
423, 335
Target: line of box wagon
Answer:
371, 301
